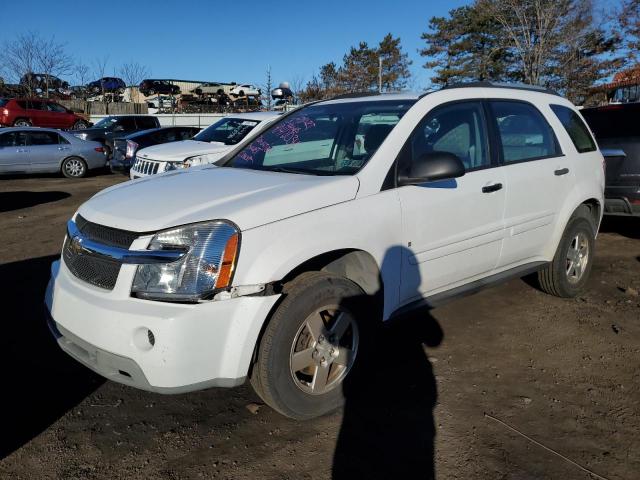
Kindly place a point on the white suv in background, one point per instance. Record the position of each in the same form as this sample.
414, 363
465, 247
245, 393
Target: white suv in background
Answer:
277, 263
208, 146
245, 90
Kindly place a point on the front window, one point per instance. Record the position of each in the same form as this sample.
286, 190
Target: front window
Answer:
324, 139
229, 131
106, 122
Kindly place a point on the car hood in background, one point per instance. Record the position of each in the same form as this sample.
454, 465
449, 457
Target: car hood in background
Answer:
249, 198
178, 151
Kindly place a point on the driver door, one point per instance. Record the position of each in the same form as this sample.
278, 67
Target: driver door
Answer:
453, 228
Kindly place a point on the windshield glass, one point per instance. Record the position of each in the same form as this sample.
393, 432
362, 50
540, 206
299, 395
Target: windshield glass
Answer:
105, 122
228, 131
324, 139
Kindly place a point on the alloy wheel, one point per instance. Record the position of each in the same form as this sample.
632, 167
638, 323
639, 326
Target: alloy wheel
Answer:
577, 257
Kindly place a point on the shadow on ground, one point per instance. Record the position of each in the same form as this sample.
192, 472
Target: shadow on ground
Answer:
388, 426
40, 383
10, 201
626, 226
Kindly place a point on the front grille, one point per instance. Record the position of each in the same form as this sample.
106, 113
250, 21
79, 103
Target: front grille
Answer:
107, 235
146, 167
99, 271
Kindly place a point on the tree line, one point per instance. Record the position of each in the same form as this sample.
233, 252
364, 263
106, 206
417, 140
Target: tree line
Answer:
560, 44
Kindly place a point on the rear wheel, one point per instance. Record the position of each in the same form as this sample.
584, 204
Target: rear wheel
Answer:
568, 272
74, 167
22, 122
310, 346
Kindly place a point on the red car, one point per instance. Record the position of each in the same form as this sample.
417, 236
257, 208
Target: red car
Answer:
38, 112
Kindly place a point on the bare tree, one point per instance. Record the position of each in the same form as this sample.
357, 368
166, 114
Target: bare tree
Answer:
52, 60
99, 70
133, 73
19, 57
81, 73
297, 85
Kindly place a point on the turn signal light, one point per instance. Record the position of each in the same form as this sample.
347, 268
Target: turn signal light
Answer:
228, 262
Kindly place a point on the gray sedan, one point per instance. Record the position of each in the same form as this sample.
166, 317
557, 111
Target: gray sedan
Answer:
45, 150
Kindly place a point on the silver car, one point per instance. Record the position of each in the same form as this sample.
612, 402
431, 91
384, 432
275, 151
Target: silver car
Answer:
45, 150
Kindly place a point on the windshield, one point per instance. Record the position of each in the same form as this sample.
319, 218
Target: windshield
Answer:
105, 122
228, 131
324, 139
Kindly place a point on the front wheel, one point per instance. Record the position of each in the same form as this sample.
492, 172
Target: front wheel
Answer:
74, 167
311, 345
80, 125
568, 273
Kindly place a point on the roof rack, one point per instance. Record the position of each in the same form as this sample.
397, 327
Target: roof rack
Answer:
354, 95
513, 86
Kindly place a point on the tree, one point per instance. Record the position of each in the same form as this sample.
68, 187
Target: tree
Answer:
629, 21
297, 85
52, 60
359, 70
20, 58
99, 70
268, 86
133, 73
395, 64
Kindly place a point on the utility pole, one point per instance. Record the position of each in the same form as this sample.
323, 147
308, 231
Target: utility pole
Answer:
379, 74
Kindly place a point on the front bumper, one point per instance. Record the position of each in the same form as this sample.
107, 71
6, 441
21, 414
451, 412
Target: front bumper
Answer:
196, 346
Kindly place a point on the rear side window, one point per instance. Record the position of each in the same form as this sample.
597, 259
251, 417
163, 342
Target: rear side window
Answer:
145, 123
523, 131
576, 128
43, 138
127, 123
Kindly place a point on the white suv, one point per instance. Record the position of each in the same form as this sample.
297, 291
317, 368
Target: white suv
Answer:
277, 263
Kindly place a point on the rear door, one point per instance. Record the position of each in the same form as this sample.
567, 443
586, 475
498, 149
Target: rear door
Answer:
37, 113
46, 150
14, 154
538, 179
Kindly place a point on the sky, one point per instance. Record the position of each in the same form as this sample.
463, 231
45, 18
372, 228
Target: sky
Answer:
225, 41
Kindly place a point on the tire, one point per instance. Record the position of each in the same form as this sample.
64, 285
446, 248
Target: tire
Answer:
80, 125
314, 299
22, 122
74, 167
567, 274
152, 92
241, 93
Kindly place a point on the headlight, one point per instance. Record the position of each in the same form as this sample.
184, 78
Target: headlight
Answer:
175, 165
207, 267
201, 159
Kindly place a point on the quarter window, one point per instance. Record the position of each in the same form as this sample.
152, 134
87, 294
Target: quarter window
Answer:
457, 128
523, 132
576, 128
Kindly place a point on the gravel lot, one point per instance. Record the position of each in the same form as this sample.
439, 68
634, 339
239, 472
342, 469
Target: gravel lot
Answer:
564, 373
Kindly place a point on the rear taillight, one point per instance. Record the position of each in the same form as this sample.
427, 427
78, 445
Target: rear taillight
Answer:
5, 111
99, 149
131, 149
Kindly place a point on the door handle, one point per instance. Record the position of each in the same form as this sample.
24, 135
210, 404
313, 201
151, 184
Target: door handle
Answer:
492, 188
63, 148
22, 150
561, 171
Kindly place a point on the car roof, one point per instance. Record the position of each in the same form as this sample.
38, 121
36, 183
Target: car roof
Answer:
31, 129
260, 116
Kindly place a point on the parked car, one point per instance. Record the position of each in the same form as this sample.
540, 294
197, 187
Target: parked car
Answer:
206, 147
211, 88
162, 102
40, 150
276, 263
116, 126
108, 84
153, 87
617, 130
245, 90
38, 112
42, 83
125, 148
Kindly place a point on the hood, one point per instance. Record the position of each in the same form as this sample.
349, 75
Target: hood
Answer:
249, 198
90, 131
178, 151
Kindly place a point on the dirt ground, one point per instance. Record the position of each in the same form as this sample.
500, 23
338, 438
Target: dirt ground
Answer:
563, 373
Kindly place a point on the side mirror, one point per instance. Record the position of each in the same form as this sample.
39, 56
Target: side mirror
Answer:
433, 166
